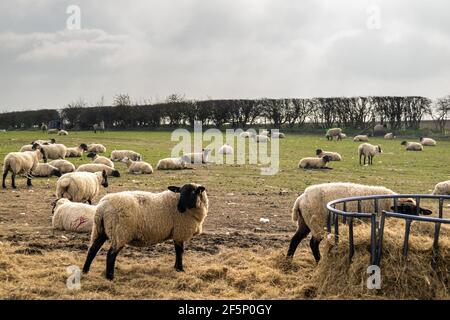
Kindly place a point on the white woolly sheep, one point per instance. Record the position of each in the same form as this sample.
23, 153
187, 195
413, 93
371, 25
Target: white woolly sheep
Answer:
315, 163
368, 150
412, 146
98, 167
54, 151
334, 132
389, 136
80, 186
76, 152
100, 159
21, 163
63, 133
342, 136
97, 148
196, 157
138, 166
225, 149
63, 166
442, 188
119, 155
27, 147
73, 216
310, 211
171, 164
45, 170
334, 155
143, 218
261, 138
51, 141
427, 142
361, 138
246, 134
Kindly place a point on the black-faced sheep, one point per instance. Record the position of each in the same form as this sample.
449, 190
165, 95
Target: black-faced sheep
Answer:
138, 167
196, 157
334, 155
76, 152
97, 148
369, 151
45, 170
81, 186
63, 166
119, 155
54, 151
334, 132
171, 164
73, 216
98, 167
314, 163
412, 146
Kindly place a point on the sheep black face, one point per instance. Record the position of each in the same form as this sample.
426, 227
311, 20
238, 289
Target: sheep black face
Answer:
104, 179
91, 155
56, 173
115, 173
318, 152
403, 143
379, 149
411, 209
52, 141
36, 146
84, 146
327, 158
188, 196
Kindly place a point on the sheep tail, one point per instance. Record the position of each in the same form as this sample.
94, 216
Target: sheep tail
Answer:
296, 212
99, 228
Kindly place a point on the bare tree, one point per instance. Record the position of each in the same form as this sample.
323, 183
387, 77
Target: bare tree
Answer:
440, 114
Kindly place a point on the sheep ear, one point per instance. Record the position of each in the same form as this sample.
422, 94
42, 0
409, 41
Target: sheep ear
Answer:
425, 212
174, 189
200, 189
104, 174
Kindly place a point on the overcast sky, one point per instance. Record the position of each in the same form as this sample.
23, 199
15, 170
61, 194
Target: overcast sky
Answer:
221, 49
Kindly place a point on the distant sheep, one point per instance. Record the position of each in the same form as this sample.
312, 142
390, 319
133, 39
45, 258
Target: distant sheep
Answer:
98, 167
276, 135
171, 164
76, 152
427, 142
412, 146
334, 132
138, 166
80, 186
196, 157
63, 166
314, 163
261, 138
45, 170
342, 136
361, 138
442, 188
54, 151
50, 141
369, 151
97, 148
334, 155
389, 136
63, 133
119, 155
73, 216
226, 149
100, 159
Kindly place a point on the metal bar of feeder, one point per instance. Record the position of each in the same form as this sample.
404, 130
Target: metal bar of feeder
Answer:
373, 238
336, 229
344, 208
406, 240
350, 242
380, 238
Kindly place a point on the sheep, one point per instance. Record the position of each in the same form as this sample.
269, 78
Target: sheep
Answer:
100, 159
51, 141
171, 164
368, 150
119, 155
63, 166
143, 218
265, 133
275, 135
62, 133
245, 134
73, 216
412, 146
334, 155
342, 136
310, 211
334, 132
442, 188
361, 138
45, 170
21, 163
52, 131
76, 152
315, 163
98, 167
3, 130
29, 147
389, 136
54, 151
196, 157
97, 148
261, 138
427, 142
80, 186
226, 149
138, 166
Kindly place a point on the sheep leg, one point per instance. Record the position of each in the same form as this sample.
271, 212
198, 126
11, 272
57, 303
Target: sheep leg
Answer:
299, 235
29, 180
13, 180
360, 156
314, 244
93, 250
4, 179
179, 249
111, 261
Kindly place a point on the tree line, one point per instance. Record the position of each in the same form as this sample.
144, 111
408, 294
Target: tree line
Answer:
359, 113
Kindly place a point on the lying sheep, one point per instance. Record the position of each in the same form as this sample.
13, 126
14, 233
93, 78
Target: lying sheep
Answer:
45, 170
334, 132
389, 136
315, 163
62, 133
276, 135
54, 151
97, 148
29, 147
261, 138
361, 138
98, 167
52, 131
196, 157
226, 149
368, 150
80, 186
310, 211
51, 141
171, 164
100, 159
245, 134
21, 163
73, 216
143, 218
334, 155
119, 155
138, 166
442, 188
412, 146
76, 152
63, 166
343, 136
427, 142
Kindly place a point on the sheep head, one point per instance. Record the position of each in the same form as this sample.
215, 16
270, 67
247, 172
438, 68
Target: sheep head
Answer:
189, 194
409, 206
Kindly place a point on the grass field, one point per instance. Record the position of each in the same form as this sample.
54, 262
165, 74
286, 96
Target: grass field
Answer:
236, 257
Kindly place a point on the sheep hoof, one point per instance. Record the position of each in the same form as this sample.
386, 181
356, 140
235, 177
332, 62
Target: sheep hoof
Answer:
110, 277
179, 269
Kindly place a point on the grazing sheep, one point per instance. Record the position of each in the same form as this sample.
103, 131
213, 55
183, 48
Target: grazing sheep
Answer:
310, 211
361, 138
334, 132
412, 146
143, 218
100, 159
51, 141
52, 131
21, 163
76, 152
98, 167
427, 142
261, 138
119, 155
80, 186
73, 216
368, 150
226, 149
342, 136
138, 166
63, 133
54, 151
45, 170
315, 163
196, 157
97, 148
442, 188
171, 164
27, 147
389, 136
334, 155
63, 166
